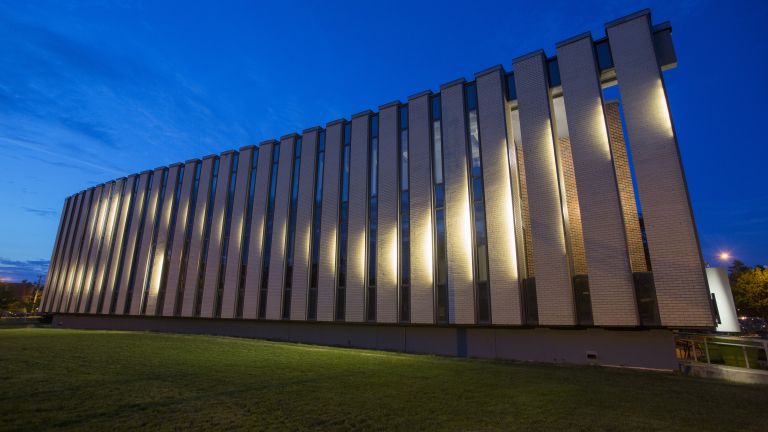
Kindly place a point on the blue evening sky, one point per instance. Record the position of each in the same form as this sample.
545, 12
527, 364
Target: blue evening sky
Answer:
95, 90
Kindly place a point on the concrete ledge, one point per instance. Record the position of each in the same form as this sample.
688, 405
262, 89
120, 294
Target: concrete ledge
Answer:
728, 373
654, 349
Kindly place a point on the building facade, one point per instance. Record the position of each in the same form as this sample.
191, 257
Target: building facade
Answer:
486, 218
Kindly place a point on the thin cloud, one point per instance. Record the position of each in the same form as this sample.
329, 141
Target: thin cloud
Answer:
41, 212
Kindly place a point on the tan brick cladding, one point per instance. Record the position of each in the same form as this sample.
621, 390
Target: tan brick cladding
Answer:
56, 256
326, 283
182, 219
575, 233
526, 213
553, 282
505, 294
387, 234
358, 219
626, 189
146, 242
678, 271
194, 253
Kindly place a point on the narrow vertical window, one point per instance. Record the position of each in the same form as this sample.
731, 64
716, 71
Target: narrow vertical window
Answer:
405, 221
246, 236
441, 263
373, 210
341, 281
225, 235
268, 233
137, 240
290, 238
151, 260
206, 239
187, 239
169, 243
317, 213
482, 297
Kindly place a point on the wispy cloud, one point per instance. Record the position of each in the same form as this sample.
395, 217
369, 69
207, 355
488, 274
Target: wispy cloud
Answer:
41, 212
16, 270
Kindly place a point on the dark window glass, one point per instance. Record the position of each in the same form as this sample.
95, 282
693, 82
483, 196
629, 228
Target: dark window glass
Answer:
341, 283
511, 89
373, 213
645, 295
441, 261
268, 232
604, 56
553, 72
206, 239
316, 218
405, 232
290, 238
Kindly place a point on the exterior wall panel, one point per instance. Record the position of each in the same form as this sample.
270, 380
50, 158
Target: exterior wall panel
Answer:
389, 197
93, 253
234, 252
161, 242
610, 278
280, 228
78, 266
195, 251
112, 281
305, 205
676, 262
57, 254
326, 287
458, 221
132, 239
213, 262
420, 188
145, 242
177, 248
106, 247
500, 220
61, 282
553, 279
358, 218
261, 193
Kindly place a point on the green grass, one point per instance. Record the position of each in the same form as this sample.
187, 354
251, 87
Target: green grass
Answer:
98, 380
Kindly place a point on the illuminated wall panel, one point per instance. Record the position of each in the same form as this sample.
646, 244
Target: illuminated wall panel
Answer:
195, 251
681, 288
132, 240
420, 188
112, 280
610, 278
213, 261
78, 262
461, 298
389, 196
58, 253
553, 278
145, 242
103, 259
326, 287
500, 219
261, 193
237, 227
304, 208
93, 253
177, 248
280, 227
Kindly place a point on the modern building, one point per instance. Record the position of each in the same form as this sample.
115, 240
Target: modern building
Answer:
495, 218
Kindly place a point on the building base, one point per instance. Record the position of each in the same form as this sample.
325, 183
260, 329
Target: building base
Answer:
630, 348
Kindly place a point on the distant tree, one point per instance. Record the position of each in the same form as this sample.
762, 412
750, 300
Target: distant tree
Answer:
736, 267
6, 297
750, 291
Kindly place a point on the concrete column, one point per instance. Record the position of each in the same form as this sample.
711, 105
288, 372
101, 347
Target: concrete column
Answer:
357, 226
280, 227
388, 205
420, 188
304, 208
213, 258
183, 214
237, 231
326, 287
116, 256
458, 220
106, 246
610, 278
157, 260
499, 216
676, 262
195, 250
260, 197
553, 279
133, 242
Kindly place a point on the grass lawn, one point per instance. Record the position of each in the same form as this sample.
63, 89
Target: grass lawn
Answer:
99, 380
